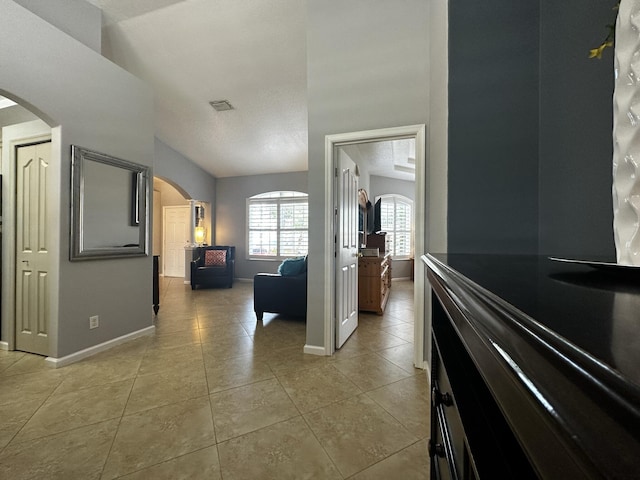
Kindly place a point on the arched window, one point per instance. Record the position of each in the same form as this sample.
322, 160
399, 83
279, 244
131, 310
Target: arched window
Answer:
277, 225
396, 218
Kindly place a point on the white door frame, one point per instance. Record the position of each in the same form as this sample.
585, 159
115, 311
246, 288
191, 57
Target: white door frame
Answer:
332, 142
36, 131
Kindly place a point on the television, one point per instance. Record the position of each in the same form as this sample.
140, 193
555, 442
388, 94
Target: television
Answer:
370, 218
376, 223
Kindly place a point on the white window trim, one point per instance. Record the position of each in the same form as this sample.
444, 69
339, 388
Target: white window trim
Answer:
277, 197
395, 197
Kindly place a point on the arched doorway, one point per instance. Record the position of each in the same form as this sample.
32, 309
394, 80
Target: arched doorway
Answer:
28, 157
174, 224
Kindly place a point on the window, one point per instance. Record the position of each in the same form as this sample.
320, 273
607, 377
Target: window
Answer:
278, 224
396, 218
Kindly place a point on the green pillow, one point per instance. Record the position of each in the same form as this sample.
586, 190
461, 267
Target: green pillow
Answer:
293, 266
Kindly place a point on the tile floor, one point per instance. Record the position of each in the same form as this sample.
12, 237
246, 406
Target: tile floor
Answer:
215, 395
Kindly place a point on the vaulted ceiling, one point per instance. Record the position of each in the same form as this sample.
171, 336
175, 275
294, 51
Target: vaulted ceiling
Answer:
251, 53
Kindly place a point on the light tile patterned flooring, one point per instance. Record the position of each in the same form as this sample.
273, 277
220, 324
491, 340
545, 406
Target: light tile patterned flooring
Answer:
216, 395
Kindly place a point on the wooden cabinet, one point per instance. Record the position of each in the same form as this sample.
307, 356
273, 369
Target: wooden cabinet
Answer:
374, 283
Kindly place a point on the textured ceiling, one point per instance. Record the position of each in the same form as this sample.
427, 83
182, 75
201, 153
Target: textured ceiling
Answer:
249, 52
114, 11
392, 158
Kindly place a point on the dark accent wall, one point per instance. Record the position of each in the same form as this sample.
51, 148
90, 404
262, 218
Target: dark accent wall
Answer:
576, 212
493, 126
529, 128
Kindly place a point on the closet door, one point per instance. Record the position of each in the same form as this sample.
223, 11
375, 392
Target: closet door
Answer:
32, 249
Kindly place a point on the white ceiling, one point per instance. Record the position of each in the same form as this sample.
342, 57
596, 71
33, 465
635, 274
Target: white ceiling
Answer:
249, 52
114, 11
391, 158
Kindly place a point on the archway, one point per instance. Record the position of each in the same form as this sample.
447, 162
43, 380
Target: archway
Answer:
177, 218
26, 312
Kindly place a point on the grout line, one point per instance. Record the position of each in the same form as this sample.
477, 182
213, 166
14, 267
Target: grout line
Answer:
25, 423
124, 409
204, 304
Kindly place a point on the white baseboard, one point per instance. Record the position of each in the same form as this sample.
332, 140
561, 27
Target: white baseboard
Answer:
314, 350
4, 345
88, 352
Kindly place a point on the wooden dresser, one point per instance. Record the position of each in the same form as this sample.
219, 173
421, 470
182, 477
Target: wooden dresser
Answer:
374, 283
534, 369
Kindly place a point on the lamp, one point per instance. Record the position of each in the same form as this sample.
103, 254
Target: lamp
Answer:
199, 235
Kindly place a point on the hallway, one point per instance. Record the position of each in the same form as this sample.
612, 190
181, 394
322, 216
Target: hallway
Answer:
215, 395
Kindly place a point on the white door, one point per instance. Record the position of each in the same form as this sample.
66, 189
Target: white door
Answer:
157, 223
32, 249
346, 250
176, 236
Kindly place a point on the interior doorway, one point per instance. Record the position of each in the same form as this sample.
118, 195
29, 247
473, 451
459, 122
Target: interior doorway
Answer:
332, 144
169, 241
27, 267
176, 224
32, 247
387, 178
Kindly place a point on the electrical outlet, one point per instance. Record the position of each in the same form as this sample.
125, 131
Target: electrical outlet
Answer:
94, 321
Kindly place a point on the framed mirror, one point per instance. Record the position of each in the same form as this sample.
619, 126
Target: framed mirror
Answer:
109, 206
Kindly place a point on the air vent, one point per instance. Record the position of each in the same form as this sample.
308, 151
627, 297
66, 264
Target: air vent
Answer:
221, 105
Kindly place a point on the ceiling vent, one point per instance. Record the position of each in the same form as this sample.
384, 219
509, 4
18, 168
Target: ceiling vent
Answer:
221, 105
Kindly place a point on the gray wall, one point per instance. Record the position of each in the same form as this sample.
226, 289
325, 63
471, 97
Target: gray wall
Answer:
231, 214
191, 180
355, 155
367, 68
530, 119
170, 195
437, 139
493, 126
181, 172
15, 114
384, 185
95, 104
576, 212
78, 18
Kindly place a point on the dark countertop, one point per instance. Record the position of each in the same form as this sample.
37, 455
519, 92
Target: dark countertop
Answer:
596, 310
558, 345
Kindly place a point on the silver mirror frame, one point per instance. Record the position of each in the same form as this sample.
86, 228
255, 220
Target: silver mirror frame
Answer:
142, 187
